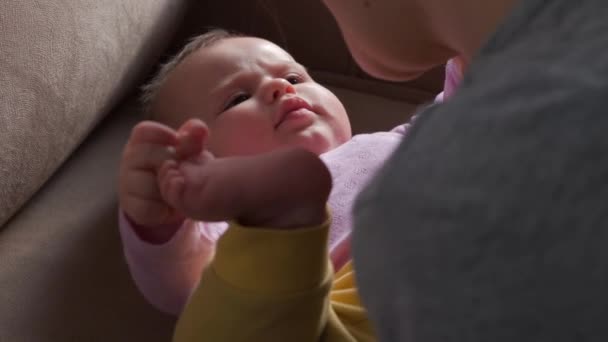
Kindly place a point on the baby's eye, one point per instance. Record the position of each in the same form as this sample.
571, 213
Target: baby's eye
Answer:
236, 100
293, 79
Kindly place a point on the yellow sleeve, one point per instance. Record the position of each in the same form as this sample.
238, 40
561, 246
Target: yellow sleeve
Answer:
274, 285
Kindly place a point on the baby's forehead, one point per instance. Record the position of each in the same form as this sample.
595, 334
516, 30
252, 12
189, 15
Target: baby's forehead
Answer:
254, 45
245, 52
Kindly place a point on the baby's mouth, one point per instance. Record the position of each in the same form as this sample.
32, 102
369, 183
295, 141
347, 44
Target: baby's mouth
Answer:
293, 106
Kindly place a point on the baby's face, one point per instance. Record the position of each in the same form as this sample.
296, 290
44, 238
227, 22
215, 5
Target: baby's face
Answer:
255, 98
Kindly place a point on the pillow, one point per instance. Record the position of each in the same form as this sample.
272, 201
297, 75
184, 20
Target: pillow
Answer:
63, 65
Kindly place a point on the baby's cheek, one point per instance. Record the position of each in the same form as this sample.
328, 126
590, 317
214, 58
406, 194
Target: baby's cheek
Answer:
219, 143
340, 123
224, 137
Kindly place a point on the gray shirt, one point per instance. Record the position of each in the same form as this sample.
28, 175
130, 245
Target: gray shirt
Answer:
490, 221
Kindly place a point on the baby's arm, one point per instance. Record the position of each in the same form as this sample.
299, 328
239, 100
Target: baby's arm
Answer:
166, 274
164, 252
149, 145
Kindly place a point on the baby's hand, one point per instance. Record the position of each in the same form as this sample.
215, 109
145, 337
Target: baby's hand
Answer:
286, 188
149, 145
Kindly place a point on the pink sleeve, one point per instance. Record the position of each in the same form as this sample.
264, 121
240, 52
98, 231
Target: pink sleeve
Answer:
453, 76
166, 274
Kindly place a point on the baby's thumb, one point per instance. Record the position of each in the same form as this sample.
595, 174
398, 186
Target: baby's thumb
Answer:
191, 138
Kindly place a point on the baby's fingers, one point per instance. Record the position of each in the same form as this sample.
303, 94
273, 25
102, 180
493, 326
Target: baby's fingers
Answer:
150, 132
150, 213
171, 183
149, 145
147, 156
140, 183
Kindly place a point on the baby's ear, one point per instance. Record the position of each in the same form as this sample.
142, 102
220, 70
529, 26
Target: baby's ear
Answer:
191, 137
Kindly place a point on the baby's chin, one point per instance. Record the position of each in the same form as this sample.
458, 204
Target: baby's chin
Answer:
312, 141
320, 145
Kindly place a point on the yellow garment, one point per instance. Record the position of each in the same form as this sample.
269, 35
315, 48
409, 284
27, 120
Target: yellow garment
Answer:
274, 285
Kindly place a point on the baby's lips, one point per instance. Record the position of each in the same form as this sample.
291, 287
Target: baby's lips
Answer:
288, 104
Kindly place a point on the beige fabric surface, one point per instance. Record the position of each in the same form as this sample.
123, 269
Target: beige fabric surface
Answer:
62, 273
63, 65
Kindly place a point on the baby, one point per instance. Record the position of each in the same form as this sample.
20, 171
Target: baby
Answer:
253, 98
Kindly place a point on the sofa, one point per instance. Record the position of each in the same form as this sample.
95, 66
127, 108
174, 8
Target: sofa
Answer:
70, 73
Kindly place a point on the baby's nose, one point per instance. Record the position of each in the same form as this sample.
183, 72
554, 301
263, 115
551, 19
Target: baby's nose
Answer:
278, 87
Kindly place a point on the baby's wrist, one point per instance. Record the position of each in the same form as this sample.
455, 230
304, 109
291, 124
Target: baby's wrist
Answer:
302, 217
157, 235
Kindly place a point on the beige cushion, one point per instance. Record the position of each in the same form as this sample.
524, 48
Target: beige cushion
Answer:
62, 273
63, 65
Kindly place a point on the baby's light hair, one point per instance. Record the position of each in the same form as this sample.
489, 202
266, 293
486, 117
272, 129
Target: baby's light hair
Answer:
151, 89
